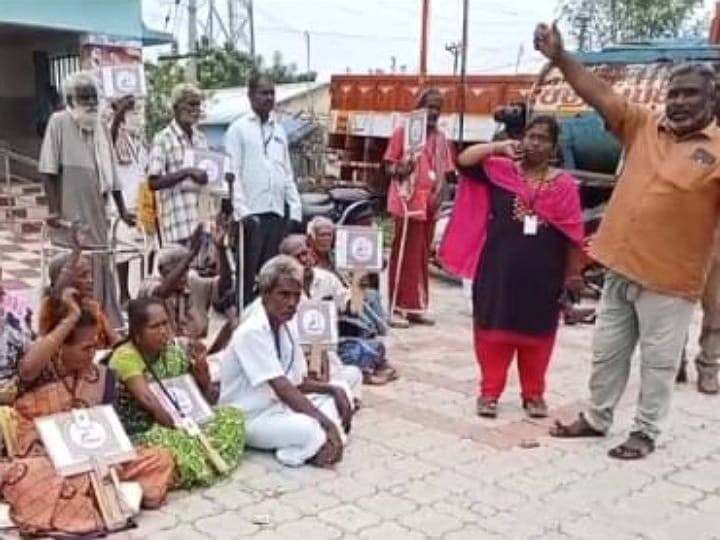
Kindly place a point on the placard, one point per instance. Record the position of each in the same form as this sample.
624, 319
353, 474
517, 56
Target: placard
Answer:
123, 80
317, 322
415, 131
188, 397
215, 164
75, 439
358, 248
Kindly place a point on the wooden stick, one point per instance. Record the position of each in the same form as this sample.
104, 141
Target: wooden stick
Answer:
8, 430
213, 455
107, 502
357, 297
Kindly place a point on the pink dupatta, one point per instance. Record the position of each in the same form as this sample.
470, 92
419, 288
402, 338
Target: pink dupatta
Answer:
464, 239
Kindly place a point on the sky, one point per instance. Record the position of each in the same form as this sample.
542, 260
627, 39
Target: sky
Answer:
367, 34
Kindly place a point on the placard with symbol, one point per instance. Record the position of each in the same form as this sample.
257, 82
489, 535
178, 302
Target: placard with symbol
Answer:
358, 248
215, 164
123, 80
317, 322
186, 396
415, 131
75, 439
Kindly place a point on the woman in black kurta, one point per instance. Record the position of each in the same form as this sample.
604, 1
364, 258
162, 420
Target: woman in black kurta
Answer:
533, 223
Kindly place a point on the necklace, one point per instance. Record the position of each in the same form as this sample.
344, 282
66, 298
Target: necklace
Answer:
75, 402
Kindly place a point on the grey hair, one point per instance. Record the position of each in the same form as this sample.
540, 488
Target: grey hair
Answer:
700, 69
170, 255
277, 268
57, 264
316, 223
183, 91
79, 79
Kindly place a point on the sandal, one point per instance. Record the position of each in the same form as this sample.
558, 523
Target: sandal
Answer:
486, 407
637, 446
375, 379
535, 408
574, 316
420, 320
579, 428
389, 372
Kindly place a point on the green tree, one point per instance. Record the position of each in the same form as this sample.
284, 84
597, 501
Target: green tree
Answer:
596, 23
217, 67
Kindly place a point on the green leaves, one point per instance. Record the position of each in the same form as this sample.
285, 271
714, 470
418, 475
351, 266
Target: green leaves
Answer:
596, 23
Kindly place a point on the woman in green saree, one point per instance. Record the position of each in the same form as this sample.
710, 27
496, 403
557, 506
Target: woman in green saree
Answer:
150, 355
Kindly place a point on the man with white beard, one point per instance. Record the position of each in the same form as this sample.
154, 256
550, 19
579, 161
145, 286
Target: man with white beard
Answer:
78, 164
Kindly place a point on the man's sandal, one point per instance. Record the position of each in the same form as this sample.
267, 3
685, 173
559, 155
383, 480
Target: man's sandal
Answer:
578, 429
637, 446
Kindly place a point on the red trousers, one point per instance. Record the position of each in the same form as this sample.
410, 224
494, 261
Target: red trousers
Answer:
495, 351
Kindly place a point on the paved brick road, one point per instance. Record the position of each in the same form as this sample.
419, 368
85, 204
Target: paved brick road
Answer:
421, 465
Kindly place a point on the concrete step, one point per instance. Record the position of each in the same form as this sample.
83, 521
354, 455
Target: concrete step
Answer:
28, 200
22, 189
25, 226
28, 212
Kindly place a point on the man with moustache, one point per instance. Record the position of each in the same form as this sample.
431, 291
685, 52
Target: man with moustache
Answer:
178, 187
80, 172
258, 148
656, 240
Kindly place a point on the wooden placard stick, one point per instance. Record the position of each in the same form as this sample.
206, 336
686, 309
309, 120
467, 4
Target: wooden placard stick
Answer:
217, 461
106, 497
8, 430
357, 295
319, 365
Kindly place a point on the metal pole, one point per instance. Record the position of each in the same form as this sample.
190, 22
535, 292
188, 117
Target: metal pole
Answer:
310, 97
232, 23
211, 22
192, 41
251, 19
423, 38
463, 72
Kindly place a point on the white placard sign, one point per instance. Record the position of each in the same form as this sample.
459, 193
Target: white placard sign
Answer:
215, 164
317, 322
415, 131
75, 439
123, 80
187, 396
358, 248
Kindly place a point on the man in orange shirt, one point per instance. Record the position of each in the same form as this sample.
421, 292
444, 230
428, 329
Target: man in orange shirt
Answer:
656, 240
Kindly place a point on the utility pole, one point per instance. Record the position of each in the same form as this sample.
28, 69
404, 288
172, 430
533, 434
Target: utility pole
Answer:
583, 33
463, 72
192, 41
251, 18
210, 22
423, 39
454, 48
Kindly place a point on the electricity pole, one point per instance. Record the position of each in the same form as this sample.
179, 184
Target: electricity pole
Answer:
192, 41
454, 48
463, 72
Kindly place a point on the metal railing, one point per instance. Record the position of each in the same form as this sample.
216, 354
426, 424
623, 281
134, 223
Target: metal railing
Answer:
8, 156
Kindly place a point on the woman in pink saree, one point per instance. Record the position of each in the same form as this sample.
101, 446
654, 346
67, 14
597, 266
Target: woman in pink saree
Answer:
516, 230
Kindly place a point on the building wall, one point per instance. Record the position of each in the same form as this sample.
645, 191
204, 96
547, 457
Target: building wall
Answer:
318, 99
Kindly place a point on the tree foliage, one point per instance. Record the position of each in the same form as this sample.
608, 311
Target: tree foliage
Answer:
596, 23
217, 67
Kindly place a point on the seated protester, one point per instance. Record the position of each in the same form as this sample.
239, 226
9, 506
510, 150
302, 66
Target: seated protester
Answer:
188, 296
363, 350
74, 270
15, 337
321, 241
58, 375
263, 373
149, 356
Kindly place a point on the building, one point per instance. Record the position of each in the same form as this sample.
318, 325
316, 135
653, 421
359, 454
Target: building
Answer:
303, 109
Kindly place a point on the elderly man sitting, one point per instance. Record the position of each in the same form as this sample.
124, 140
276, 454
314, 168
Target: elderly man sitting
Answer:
363, 352
188, 296
263, 373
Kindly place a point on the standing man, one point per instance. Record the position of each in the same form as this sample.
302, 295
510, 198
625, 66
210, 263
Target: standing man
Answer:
78, 164
258, 148
178, 187
656, 240
414, 197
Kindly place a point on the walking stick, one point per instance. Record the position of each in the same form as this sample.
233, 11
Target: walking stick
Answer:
239, 246
401, 257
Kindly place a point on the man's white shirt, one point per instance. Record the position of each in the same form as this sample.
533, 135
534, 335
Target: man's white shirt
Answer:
261, 162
